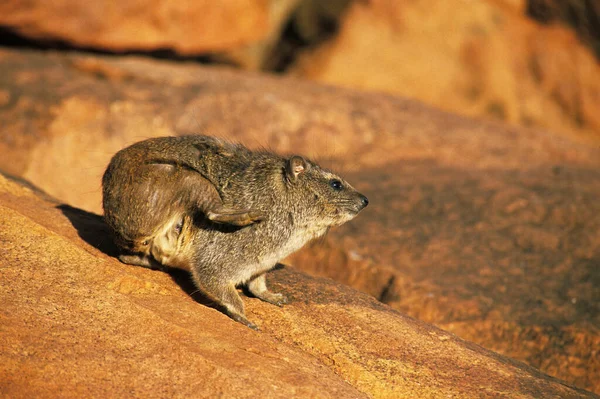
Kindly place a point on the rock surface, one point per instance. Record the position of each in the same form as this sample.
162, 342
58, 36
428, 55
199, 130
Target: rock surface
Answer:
581, 15
508, 259
487, 58
241, 30
484, 58
77, 323
488, 231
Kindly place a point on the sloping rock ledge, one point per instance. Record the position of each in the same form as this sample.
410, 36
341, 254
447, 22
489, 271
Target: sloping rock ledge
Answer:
75, 322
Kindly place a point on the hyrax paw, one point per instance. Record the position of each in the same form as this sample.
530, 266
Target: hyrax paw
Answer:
275, 299
241, 319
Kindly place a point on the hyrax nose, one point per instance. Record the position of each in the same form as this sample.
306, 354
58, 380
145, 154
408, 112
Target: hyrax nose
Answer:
364, 201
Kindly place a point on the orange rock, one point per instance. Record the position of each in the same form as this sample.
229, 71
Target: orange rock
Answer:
245, 28
69, 329
66, 115
486, 230
482, 58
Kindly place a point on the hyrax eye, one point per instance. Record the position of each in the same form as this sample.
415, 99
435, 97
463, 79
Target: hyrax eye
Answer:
336, 184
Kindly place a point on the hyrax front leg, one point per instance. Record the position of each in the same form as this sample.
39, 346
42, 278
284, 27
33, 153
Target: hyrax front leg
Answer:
228, 299
258, 288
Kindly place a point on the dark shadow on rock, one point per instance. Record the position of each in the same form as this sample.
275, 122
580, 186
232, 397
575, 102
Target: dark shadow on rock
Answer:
184, 280
93, 230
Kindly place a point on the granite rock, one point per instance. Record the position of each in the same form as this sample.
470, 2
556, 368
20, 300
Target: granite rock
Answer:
78, 323
487, 230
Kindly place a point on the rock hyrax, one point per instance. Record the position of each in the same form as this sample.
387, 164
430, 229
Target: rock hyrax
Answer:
224, 213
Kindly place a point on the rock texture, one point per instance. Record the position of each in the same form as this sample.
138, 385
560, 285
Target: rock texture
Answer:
581, 15
240, 30
486, 230
485, 58
77, 323
508, 259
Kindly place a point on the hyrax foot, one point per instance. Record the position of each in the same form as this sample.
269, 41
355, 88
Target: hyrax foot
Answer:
141, 260
227, 298
272, 298
258, 288
235, 217
244, 321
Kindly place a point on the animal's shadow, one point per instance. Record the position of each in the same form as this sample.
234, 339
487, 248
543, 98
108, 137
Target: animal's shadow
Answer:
93, 229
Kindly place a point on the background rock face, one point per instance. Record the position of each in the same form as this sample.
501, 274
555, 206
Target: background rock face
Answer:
488, 231
243, 29
77, 323
185, 27
485, 58
504, 258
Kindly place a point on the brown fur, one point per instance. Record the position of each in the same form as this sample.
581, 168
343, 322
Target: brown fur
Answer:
219, 210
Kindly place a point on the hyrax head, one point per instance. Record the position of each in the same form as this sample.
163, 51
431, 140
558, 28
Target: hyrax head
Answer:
326, 198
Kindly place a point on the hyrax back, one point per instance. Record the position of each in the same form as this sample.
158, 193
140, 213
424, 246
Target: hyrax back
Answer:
219, 210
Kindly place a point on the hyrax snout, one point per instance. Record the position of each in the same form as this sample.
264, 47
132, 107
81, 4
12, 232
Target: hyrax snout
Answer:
221, 211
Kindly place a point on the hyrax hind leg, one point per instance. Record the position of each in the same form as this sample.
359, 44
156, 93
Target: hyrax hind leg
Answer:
199, 193
140, 260
233, 216
258, 287
151, 229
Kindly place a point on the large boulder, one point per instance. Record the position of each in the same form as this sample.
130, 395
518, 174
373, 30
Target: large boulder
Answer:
483, 58
77, 323
241, 31
486, 58
486, 230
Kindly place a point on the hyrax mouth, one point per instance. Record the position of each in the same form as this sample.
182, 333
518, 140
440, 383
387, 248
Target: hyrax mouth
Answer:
363, 202
350, 210
358, 204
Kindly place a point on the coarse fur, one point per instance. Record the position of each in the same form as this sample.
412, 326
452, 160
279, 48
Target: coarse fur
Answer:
219, 210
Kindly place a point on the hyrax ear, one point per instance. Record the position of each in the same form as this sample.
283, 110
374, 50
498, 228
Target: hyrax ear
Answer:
296, 165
